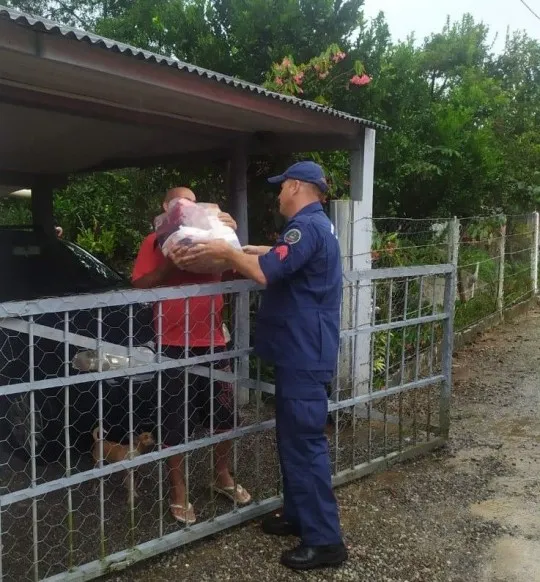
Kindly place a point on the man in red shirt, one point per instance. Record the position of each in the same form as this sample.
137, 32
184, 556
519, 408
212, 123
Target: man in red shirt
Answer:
203, 320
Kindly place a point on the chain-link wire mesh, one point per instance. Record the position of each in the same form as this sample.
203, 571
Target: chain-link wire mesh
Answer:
393, 380
115, 406
496, 257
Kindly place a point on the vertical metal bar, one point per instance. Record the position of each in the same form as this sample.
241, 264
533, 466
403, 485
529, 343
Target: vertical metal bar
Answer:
257, 421
338, 387
418, 330
372, 360
353, 342
417, 360
335, 396
159, 413
351, 350
236, 387
432, 355
403, 359
103, 550
67, 439
336, 441
1, 544
387, 365
33, 469
186, 403
447, 352
131, 473
406, 301
242, 340
433, 325
212, 390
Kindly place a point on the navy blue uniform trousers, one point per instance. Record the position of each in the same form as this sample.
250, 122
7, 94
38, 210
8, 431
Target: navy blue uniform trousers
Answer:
301, 412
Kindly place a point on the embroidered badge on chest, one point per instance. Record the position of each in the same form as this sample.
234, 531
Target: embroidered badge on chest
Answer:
292, 236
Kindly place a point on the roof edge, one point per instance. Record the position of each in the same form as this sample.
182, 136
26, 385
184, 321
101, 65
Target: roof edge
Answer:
50, 27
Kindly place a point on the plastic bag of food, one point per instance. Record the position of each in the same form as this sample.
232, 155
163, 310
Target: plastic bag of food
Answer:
189, 223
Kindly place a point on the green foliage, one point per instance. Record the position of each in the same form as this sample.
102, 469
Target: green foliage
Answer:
465, 136
15, 212
464, 120
475, 310
100, 242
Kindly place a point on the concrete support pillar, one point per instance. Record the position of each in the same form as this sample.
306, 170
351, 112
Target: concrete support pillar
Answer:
42, 205
354, 226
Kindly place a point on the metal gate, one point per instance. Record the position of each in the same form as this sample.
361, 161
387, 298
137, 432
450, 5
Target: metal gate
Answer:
72, 364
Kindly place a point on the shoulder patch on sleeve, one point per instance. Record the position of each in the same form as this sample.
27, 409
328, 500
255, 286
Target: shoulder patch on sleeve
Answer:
282, 251
292, 236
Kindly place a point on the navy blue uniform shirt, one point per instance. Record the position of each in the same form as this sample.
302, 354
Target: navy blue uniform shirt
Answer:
298, 323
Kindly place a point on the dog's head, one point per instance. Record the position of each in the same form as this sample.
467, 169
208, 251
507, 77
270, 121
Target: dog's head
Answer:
146, 440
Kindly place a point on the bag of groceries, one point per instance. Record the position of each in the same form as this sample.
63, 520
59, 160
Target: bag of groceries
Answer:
189, 223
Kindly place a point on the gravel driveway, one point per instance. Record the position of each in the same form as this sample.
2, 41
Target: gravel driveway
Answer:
470, 513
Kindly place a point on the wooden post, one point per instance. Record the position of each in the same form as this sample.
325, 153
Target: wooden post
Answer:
534, 253
238, 191
502, 251
239, 210
453, 241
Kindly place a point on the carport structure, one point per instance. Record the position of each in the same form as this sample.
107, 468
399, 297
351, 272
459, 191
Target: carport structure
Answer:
73, 102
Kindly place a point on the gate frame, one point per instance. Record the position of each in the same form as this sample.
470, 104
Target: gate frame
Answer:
124, 558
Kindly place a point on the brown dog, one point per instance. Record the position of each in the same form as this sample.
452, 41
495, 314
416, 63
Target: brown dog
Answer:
116, 452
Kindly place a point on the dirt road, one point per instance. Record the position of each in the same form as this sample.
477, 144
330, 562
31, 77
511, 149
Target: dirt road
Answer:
470, 513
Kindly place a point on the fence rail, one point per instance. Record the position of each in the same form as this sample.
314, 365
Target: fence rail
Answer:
71, 365
496, 257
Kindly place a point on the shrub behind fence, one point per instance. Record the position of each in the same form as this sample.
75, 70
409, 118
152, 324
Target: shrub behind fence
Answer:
496, 258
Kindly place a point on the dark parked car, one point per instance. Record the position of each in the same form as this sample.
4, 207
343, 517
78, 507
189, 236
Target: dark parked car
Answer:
36, 265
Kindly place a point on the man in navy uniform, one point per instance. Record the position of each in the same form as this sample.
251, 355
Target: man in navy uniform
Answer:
298, 331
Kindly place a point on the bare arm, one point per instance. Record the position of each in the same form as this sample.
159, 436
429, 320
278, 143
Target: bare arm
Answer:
256, 250
246, 265
155, 278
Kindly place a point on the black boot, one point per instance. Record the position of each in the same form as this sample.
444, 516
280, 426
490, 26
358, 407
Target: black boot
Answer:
311, 557
277, 525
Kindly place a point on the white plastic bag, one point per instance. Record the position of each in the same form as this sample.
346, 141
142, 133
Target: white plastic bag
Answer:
189, 223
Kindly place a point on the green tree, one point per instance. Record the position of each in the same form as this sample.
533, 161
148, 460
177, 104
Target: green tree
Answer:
465, 133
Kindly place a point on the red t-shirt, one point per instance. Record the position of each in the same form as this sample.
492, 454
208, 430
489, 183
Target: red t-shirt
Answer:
174, 311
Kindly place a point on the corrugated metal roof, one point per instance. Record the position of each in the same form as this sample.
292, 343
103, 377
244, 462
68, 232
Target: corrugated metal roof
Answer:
44, 25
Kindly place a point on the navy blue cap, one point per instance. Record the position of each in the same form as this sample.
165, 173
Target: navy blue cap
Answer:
305, 172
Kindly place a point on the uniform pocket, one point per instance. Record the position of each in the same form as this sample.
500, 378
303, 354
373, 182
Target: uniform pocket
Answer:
304, 418
329, 335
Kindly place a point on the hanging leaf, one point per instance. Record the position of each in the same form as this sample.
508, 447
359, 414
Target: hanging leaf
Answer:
359, 68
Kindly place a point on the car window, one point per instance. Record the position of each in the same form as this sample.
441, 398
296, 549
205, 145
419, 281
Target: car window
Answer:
34, 265
94, 267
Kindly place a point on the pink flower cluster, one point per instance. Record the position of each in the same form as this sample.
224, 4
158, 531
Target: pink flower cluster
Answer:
360, 80
338, 57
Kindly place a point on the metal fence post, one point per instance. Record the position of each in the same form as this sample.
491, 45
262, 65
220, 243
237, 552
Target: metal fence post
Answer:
534, 254
447, 351
238, 194
502, 251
